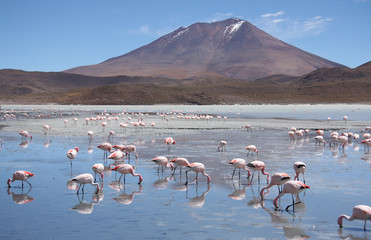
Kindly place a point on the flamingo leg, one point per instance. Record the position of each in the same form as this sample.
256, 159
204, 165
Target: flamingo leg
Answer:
78, 190
364, 228
120, 178
239, 174
187, 177
29, 183
233, 173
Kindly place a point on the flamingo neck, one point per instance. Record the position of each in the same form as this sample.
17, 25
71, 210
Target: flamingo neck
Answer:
265, 173
248, 171
262, 194
10, 180
340, 219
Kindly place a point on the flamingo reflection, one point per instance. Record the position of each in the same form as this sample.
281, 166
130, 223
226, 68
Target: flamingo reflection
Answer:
238, 193
125, 198
20, 198
162, 181
84, 207
291, 230
197, 201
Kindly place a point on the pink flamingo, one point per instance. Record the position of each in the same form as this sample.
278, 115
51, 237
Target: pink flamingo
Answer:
21, 176
292, 135
82, 179
277, 179
106, 147
46, 128
72, 153
110, 135
222, 146
319, 140
252, 148
25, 135
129, 149
117, 155
258, 166
197, 167
162, 161
126, 169
2, 144
182, 162
240, 164
299, 167
98, 168
361, 212
169, 141
90, 135
293, 187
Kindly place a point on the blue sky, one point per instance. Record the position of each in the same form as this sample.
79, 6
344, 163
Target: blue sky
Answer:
46, 35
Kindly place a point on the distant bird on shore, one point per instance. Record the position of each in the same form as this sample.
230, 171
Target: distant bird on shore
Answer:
90, 135
46, 129
222, 146
293, 187
198, 168
20, 176
85, 178
25, 135
126, 169
360, 212
319, 140
169, 141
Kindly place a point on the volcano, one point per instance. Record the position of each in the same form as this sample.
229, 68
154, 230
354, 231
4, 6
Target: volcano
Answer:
232, 48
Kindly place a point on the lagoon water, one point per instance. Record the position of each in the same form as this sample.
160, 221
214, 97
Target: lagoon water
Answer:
163, 207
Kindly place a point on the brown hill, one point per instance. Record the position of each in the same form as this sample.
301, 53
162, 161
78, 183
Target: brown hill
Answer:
321, 86
232, 48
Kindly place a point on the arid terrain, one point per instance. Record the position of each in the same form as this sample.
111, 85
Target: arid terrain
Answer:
325, 85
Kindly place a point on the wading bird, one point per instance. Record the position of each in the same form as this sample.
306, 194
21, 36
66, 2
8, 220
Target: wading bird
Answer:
21, 176
277, 179
197, 167
126, 169
293, 187
361, 212
240, 164
85, 178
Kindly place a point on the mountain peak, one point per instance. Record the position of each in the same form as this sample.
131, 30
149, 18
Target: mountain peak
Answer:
231, 48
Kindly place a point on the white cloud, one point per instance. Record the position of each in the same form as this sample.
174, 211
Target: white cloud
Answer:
143, 30
267, 15
286, 28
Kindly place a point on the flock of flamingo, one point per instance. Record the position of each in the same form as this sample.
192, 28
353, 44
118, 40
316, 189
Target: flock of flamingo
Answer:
281, 180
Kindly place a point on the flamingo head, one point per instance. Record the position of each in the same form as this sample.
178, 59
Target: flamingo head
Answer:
8, 182
340, 221
232, 161
173, 160
172, 166
173, 142
77, 149
140, 179
102, 175
30, 136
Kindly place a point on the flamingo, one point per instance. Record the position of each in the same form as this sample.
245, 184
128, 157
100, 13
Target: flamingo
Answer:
252, 148
21, 176
90, 135
98, 168
2, 144
117, 155
222, 146
197, 167
75, 119
319, 140
345, 118
110, 135
25, 135
343, 141
85, 178
72, 153
65, 122
299, 167
162, 161
361, 212
169, 141
293, 187
258, 166
106, 147
182, 162
240, 164
276, 179
292, 135
131, 148
46, 128
126, 169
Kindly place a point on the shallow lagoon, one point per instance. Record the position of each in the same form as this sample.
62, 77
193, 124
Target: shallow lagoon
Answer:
163, 207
